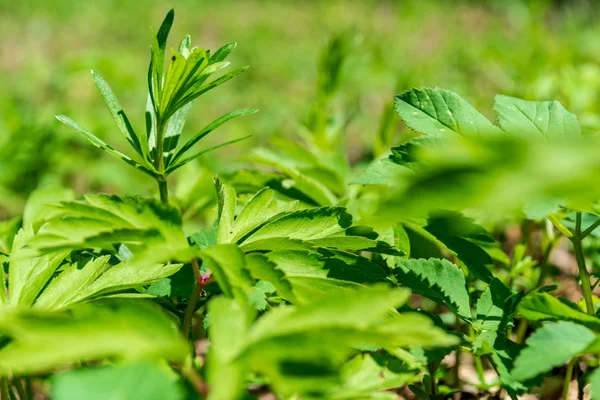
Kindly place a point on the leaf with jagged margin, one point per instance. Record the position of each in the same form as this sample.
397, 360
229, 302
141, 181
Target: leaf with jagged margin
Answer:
123, 276
261, 268
228, 330
437, 279
313, 275
39, 207
502, 353
459, 234
66, 286
491, 306
307, 224
441, 112
102, 220
539, 306
315, 190
534, 119
29, 274
550, 346
226, 200
259, 209
138, 380
228, 266
41, 341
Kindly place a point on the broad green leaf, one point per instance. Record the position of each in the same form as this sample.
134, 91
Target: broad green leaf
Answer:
102, 145
594, 381
38, 338
142, 380
304, 224
441, 112
550, 346
29, 274
123, 276
539, 306
117, 113
259, 209
261, 268
226, 199
531, 119
437, 279
38, 208
381, 172
461, 235
229, 324
69, 282
151, 230
227, 264
208, 129
313, 275
491, 306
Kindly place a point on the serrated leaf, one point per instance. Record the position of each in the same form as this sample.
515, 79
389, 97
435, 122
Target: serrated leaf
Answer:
539, 306
549, 346
441, 112
531, 119
140, 380
261, 268
304, 224
38, 338
491, 306
437, 279
29, 274
227, 264
313, 275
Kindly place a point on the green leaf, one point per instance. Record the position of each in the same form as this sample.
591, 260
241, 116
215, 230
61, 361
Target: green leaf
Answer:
205, 88
491, 306
304, 224
594, 381
38, 208
222, 53
102, 145
226, 200
208, 129
550, 346
29, 274
140, 380
539, 306
151, 230
531, 119
227, 264
228, 329
437, 279
117, 113
158, 58
441, 112
38, 338
313, 275
261, 268
173, 131
193, 157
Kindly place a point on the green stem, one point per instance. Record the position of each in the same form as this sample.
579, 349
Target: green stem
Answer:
432, 367
568, 378
590, 229
584, 275
4, 395
163, 190
193, 300
20, 389
480, 370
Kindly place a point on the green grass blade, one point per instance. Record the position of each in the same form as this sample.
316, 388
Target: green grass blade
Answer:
102, 145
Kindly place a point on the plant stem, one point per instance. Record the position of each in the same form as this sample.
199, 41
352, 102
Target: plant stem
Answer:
4, 395
193, 300
568, 378
590, 229
432, 367
22, 394
480, 370
163, 190
584, 275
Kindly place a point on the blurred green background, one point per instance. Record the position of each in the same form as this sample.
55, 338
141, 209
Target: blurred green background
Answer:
531, 49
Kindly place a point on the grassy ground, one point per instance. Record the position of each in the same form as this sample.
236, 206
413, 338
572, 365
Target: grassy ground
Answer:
534, 50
